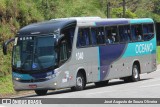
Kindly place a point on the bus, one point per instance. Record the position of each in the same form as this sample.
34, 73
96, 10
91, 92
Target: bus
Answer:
71, 52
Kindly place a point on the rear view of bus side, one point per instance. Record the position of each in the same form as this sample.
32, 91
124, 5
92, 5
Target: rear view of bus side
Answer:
71, 52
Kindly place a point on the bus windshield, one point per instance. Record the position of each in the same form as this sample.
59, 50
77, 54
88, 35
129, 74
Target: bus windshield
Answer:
34, 53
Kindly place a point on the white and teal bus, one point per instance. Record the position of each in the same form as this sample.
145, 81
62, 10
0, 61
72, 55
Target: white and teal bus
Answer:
71, 52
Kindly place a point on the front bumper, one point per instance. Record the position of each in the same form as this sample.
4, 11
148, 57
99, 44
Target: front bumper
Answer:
49, 84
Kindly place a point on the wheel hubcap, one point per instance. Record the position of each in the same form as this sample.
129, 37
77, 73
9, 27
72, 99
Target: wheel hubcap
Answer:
135, 73
79, 81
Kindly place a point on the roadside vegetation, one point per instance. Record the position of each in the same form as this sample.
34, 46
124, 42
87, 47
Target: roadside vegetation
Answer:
158, 54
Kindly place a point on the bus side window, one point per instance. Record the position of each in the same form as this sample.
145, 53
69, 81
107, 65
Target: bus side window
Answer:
86, 32
94, 36
124, 33
148, 31
136, 31
111, 35
63, 52
69, 35
108, 35
83, 39
100, 35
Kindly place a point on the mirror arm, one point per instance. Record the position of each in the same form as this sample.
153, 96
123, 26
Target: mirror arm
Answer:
4, 45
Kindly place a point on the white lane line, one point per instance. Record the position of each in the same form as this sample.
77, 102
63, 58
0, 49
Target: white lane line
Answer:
99, 92
150, 85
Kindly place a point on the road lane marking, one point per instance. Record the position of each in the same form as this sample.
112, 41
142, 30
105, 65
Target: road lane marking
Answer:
99, 92
150, 85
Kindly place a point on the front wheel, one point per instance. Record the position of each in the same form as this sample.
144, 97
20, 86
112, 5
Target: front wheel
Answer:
80, 83
41, 92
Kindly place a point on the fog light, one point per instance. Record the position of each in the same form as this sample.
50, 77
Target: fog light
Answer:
55, 83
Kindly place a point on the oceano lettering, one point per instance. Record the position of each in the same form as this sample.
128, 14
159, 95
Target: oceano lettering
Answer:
144, 48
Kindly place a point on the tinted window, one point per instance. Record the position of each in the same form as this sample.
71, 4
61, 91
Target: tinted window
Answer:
148, 31
111, 35
83, 37
136, 32
124, 33
64, 53
98, 35
69, 35
94, 36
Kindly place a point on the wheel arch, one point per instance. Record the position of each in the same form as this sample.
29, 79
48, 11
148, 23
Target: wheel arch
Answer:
83, 72
136, 62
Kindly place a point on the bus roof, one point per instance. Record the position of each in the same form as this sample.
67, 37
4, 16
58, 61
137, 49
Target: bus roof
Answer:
45, 27
54, 24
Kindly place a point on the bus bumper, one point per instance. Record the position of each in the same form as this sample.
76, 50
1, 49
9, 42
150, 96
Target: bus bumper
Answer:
49, 84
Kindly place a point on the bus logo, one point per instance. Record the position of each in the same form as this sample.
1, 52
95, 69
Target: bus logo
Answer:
144, 48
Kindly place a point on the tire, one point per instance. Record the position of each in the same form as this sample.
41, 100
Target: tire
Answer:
135, 73
41, 92
80, 83
101, 83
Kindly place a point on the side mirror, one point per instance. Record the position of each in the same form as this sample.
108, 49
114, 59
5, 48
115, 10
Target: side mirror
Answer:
4, 49
4, 45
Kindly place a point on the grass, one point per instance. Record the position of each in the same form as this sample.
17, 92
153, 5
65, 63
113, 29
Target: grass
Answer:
6, 85
158, 54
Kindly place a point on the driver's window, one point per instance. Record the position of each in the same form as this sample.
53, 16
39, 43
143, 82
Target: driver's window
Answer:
63, 52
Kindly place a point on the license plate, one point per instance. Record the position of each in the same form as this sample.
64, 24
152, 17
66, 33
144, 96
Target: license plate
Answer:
33, 86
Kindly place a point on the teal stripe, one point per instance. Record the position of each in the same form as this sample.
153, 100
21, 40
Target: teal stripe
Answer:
22, 76
145, 20
131, 48
99, 78
94, 24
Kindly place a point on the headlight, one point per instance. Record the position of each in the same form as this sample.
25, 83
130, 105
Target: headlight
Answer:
51, 76
17, 79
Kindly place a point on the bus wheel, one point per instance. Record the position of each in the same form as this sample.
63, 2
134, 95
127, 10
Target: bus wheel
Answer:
80, 83
41, 92
101, 83
135, 73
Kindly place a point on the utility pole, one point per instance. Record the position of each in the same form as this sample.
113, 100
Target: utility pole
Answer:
124, 9
108, 10
47, 5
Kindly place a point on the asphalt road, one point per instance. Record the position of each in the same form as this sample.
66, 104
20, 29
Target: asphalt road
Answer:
147, 87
